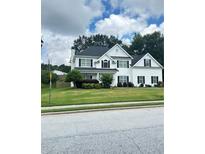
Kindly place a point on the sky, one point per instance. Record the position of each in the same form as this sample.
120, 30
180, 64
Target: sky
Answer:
62, 21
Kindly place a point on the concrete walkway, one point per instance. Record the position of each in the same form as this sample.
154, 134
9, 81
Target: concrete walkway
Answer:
99, 104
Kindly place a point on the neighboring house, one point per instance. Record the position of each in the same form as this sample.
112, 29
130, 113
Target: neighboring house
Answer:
59, 73
97, 60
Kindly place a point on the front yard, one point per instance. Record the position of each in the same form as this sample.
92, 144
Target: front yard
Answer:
68, 96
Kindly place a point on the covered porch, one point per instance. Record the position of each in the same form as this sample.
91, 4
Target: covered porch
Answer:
95, 73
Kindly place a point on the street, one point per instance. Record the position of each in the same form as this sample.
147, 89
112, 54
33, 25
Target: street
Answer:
111, 132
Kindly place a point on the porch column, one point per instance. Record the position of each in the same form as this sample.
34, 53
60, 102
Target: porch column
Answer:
98, 76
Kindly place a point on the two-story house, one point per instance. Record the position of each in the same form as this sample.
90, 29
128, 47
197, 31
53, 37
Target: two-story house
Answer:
97, 60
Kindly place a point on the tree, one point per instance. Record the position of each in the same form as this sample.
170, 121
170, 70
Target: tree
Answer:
106, 80
152, 43
45, 77
62, 67
74, 76
84, 42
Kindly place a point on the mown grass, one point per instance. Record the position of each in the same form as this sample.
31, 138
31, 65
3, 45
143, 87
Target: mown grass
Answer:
102, 107
70, 96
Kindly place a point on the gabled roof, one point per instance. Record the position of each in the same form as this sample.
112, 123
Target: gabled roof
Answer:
136, 58
93, 51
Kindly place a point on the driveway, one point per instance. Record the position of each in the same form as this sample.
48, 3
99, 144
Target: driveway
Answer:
110, 132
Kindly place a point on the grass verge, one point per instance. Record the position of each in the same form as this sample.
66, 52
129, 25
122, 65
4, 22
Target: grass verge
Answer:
102, 107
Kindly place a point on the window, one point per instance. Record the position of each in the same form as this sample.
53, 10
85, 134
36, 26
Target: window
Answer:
140, 79
154, 79
147, 62
85, 62
105, 64
123, 79
122, 64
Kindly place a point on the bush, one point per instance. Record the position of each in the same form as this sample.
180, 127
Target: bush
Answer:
91, 86
141, 85
119, 84
97, 86
74, 76
125, 84
130, 84
147, 85
159, 84
79, 83
106, 80
45, 77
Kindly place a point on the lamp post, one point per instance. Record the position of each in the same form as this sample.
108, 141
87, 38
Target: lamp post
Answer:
50, 84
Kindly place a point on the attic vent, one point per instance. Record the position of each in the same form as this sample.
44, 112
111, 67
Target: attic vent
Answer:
116, 50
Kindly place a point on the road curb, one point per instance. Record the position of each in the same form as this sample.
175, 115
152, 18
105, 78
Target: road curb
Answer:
102, 109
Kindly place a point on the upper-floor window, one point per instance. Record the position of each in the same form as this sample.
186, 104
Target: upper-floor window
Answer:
85, 63
122, 64
105, 63
147, 62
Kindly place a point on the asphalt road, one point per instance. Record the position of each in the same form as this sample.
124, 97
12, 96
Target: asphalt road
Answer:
111, 132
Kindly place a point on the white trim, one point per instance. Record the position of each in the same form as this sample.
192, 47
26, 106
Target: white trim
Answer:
107, 56
120, 48
151, 58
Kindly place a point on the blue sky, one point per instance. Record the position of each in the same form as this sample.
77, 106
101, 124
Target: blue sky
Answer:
63, 21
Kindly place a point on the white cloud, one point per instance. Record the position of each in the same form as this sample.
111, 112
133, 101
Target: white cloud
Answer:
143, 8
57, 47
126, 41
153, 28
69, 17
119, 25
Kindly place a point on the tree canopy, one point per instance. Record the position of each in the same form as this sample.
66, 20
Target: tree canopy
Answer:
152, 43
62, 67
84, 42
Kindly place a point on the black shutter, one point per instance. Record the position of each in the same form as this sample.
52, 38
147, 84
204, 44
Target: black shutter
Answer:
127, 79
149, 62
117, 63
138, 81
144, 62
152, 79
102, 63
157, 79
79, 62
108, 64
118, 79
127, 64
91, 63
143, 80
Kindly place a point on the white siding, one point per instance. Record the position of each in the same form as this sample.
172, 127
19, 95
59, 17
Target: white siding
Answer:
141, 61
116, 51
147, 72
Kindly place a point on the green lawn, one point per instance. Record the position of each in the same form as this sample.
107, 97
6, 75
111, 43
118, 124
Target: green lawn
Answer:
68, 96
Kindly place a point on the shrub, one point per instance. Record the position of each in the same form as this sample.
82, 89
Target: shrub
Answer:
130, 84
119, 84
159, 84
91, 86
106, 80
79, 83
45, 77
97, 86
125, 84
74, 76
147, 85
141, 85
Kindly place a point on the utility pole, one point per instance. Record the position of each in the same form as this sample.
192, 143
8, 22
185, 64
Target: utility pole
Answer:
50, 77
